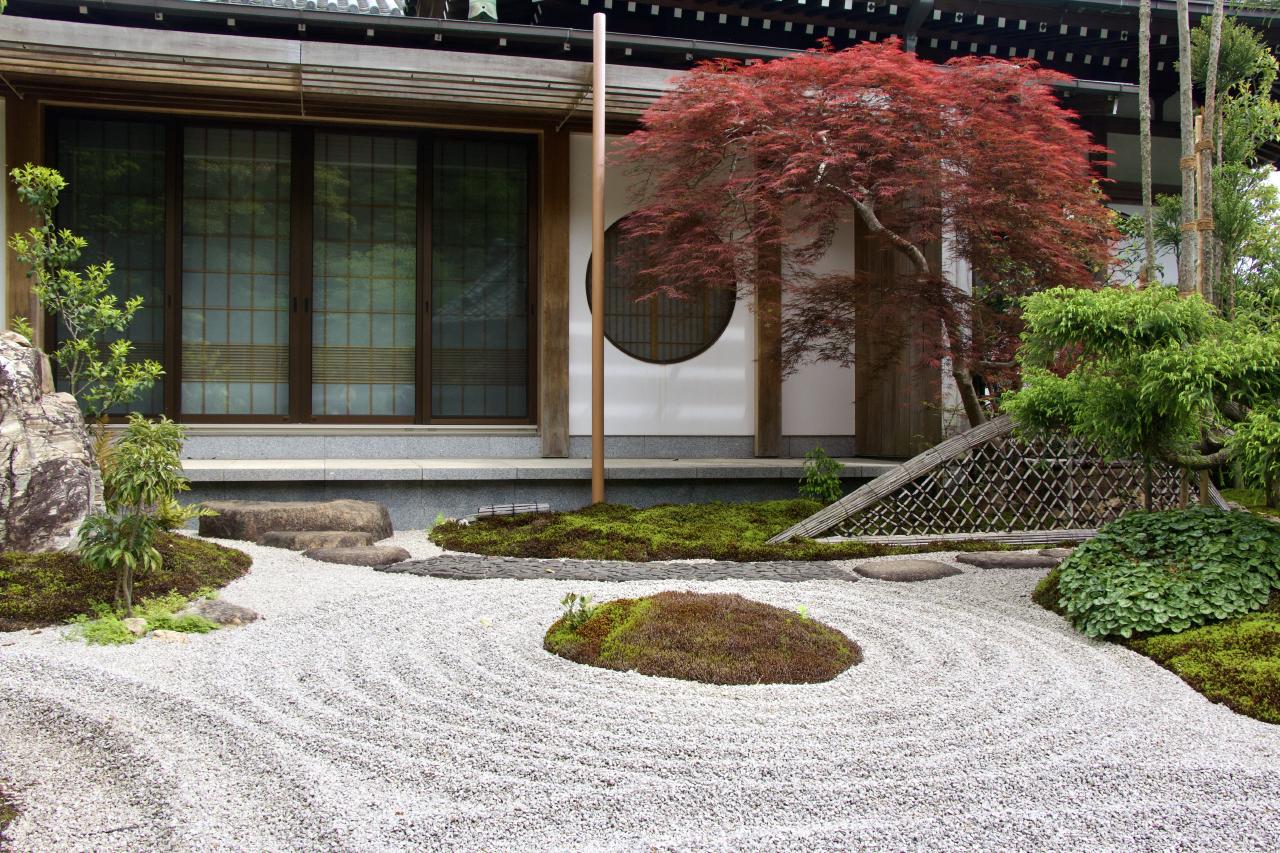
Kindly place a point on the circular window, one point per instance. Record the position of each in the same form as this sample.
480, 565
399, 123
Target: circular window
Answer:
661, 329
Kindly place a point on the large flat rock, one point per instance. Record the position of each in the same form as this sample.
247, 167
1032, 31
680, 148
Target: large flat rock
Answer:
367, 555
252, 520
1009, 560
906, 570
305, 540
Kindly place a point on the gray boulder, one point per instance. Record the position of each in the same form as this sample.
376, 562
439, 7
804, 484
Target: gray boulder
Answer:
305, 540
49, 481
252, 520
368, 555
906, 570
222, 612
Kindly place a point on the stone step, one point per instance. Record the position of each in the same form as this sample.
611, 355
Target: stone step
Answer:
365, 555
252, 520
305, 540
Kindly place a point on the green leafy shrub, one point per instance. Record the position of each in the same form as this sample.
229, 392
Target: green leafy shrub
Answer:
141, 476
105, 626
821, 480
99, 372
577, 610
1157, 572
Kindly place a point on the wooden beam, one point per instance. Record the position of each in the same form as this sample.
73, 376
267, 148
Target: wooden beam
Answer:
768, 315
553, 296
24, 143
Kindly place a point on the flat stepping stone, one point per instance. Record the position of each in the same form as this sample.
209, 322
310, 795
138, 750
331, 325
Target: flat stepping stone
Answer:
1008, 560
305, 540
362, 555
252, 520
1058, 553
906, 571
222, 612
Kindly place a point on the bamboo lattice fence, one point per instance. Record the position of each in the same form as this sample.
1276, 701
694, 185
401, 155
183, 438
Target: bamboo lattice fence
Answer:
987, 484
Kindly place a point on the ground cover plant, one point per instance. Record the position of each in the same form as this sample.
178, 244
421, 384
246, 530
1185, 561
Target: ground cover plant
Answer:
107, 627
8, 812
1150, 572
1185, 585
716, 639
719, 531
50, 588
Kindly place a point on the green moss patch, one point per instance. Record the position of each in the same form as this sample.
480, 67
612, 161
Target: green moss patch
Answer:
719, 531
716, 639
8, 813
46, 589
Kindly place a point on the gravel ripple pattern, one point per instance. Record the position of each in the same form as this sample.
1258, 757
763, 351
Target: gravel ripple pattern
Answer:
375, 711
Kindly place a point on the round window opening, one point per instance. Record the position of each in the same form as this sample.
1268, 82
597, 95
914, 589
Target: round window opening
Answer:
662, 330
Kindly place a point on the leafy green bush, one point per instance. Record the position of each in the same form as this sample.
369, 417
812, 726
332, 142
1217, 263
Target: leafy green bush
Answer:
821, 480
1158, 572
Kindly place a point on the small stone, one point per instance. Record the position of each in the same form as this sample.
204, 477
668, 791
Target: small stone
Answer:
305, 540
368, 555
906, 570
177, 638
136, 625
222, 612
1008, 560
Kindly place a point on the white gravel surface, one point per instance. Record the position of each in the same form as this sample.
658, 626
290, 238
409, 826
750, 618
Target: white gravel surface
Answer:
369, 711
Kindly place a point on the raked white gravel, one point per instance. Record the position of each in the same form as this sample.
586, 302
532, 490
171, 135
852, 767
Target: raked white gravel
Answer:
369, 711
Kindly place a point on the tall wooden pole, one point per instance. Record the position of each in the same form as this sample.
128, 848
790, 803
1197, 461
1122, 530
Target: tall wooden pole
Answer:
1189, 238
597, 253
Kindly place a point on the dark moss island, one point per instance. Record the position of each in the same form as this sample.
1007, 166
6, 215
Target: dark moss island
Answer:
712, 638
46, 589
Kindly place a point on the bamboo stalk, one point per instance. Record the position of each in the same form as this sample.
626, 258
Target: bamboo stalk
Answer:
597, 252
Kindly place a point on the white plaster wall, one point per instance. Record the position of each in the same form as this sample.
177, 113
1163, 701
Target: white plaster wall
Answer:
818, 398
1166, 261
711, 394
4, 224
957, 271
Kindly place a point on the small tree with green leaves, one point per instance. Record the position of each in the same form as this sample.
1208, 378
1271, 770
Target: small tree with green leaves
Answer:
98, 372
1147, 373
821, 480
141, 482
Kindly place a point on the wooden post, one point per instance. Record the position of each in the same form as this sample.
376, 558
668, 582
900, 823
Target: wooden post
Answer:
597, 252
553, 293
24, 142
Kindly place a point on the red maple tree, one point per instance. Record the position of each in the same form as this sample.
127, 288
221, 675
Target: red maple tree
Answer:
740, 160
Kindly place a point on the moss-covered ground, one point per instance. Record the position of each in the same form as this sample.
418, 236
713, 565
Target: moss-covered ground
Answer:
712, 638
719, 531
46, 589
1235, 662
1254, 500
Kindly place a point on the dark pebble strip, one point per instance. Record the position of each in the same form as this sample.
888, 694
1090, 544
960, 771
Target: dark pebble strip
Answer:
476, 567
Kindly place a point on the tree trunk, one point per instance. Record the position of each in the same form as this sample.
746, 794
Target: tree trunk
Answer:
1146, 483
961, 366
1144, 140
1188, 247
1208, 267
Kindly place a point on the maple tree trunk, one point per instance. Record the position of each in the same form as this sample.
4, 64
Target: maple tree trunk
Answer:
1188, 249
961, 369
1144, 139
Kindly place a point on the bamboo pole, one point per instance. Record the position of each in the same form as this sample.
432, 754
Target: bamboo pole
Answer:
1188, 243
597, 252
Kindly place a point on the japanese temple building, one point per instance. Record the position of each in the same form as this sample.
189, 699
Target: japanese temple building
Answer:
362, 232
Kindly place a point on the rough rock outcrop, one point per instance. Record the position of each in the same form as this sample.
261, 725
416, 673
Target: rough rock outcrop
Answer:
49, 480
222, 612
251, 520
305, 540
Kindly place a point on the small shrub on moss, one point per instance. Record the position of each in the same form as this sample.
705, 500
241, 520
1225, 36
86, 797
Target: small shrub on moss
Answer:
1157, 572
716, 639
821, 480
48, 589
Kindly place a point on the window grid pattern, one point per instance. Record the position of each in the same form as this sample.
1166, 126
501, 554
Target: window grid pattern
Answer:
235, 271
659, 328
479, 279
364, 328
116, 201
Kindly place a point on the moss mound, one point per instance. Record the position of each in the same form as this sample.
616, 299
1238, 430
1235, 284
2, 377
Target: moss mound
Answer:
716, 639
46, 589
719, 531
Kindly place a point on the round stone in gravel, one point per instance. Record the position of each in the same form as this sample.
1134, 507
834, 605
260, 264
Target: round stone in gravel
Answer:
222, 612
1008, 560
906, 570
363, 555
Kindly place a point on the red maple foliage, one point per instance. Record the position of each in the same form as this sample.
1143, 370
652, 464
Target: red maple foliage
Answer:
744, 159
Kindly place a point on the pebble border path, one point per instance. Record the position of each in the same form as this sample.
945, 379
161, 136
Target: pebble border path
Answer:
477, 567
